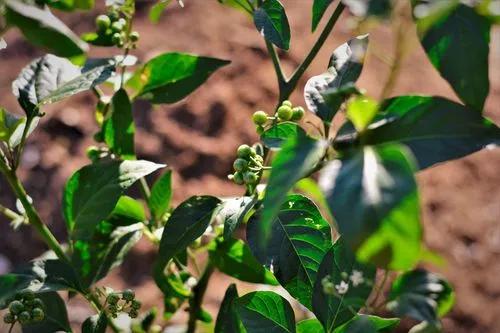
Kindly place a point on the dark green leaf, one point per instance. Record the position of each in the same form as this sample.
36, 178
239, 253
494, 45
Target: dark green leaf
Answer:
310, 326
92, 192
278, 134
56, 316
318, 10
265, 312
300, 237
367, 8
161, 194
12, 127
271, 21
379, 324
233, 257
434, 128
233, 212
227, 321
343, 70
43, 29
457, 46
95, 324
372, 195
119, 128
342, 287
170, 77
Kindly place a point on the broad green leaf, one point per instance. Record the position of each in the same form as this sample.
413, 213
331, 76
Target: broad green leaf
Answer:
187, 223
318, 10
95, 324
361, 111
379, 324
234, 258
421, 295
70, 5
368, 8
56, 316
372, 194
170, 77
127, 211
271, 21
92, 192
42, 28
119, 128
434, 128
457, 46
233, 212
265, 312
227, 320
12, 127
157, 9
242, 5
300, 238
310, 326
278, 134
360, 325
343, 70
297, 158
161, 194
342, 287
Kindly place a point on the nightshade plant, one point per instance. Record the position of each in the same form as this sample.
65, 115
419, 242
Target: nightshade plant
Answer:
332, 245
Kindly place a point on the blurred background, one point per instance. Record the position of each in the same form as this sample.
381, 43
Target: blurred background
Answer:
198, 137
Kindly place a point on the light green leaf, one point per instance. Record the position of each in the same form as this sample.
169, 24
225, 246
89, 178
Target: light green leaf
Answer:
361, 111
312, 325
318, 10
241, 5
157, 9
127, 211
119, 128
278, 134
70, 5
271, 21
161, 194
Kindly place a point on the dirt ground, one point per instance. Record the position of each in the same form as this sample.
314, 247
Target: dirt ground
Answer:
197, 138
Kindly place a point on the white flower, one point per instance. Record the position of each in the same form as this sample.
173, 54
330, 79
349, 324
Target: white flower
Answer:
191, 282
356, 278
342, 288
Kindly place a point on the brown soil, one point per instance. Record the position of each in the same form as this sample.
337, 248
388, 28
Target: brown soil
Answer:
198, 136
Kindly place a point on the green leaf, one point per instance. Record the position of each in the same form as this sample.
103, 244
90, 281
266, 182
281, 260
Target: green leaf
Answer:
127, 211
343, 70
297, 158
92, 192
12, 127
119, 128
187, 223
170, 77
318, 10
234, 258
95, 324
457, 46
42, 28
233, 212
271, 21
361, 111
161, 194
227, 320
434, 128
421, 295
157, 9
265, 312
70, 5
56, 316
300, 238
241, 5
278, 134
339, 267
379, 324
310, 326
372, 195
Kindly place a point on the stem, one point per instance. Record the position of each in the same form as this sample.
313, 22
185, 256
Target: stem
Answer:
98, 306
146, 192
197, 299
11, 327
277, 66
20, 149
10, 214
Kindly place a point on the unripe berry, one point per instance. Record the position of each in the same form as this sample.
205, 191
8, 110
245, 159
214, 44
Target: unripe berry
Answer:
24, 317
238, 178
128, 295
16, 307
117, 38
113, 16
102, 22
298, 113
244, 151
155, 329
117, 26
27, 294
240, 164
285, 112
136, 305
259, 118
134, 36
287, 103
122, 21
133, 314
113, 308
250, 178
37, 314
260, 130
113, 299
9, 318
37, 303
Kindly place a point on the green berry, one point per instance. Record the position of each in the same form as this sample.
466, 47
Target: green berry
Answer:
117, 26
240, 164
113, 299
113, 16
285, 112
134, 36
136, 305
128, 295
24, 317
16, 307
238, 178
27, 294
298, 113
133, 314
37, 314
260, 130
250, 178
259, 118
244, 151
122, 21
287, 103
37, 303
113, 308
9, 318
102, 22
116, 38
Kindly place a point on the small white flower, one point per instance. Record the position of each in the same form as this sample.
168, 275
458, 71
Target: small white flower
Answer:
191, 282
356, 278
342, 288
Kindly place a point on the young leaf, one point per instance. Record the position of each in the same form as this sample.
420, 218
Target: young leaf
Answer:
379, 324
170, 77
372, 195
234, 258
312, 325
343, 70
342, 287
43, 29
271, 21
161, 194
119, 128
12, 127
361, 111
92, 192
278, 134
434, 128
56, 316
457, 46
95, 324
127, 211
422, 295
318, 10
299, 239
265, 312
227, 320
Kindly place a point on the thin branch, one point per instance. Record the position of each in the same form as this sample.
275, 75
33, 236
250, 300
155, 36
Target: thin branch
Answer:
276, 63
10, 214
197, 299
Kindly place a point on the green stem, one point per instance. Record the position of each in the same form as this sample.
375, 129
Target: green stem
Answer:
197, 299
94, 300
10, 214
277, 66
20, 149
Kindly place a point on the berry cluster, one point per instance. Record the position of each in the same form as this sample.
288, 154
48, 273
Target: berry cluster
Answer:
123, 302
25, 309
286, 112
114, 26
248, 166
